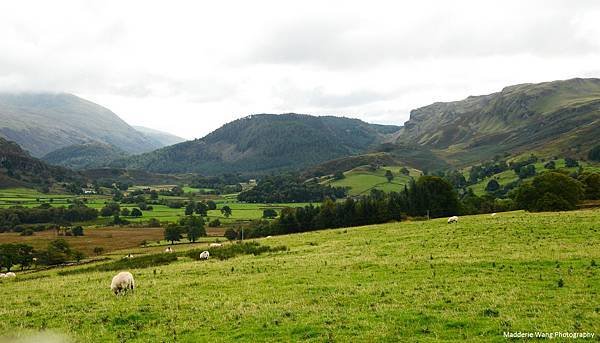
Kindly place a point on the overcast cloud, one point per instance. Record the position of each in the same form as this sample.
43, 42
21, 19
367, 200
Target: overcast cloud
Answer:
188, 67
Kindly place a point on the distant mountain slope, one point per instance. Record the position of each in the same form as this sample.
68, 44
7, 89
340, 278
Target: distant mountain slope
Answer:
160, 137
84, 156
559, 117
18, 168
263, 143
43, 122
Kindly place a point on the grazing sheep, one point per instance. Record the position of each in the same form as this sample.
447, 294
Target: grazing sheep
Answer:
493, 214
215, 245
122, 282
129, 256
453, 219
2, 275
268, 237
10, 274
169, 250
204, 255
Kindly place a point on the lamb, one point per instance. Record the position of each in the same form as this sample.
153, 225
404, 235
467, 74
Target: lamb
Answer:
168, 250
215, 245
453, 219
204, 255
122, 282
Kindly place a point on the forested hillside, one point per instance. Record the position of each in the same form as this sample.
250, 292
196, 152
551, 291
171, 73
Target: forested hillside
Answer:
263, 143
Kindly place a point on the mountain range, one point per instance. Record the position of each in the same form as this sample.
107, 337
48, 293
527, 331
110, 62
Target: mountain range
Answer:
558, 118
43, 122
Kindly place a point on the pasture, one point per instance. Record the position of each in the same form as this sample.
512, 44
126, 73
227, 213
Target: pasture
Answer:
408, 281
362, 179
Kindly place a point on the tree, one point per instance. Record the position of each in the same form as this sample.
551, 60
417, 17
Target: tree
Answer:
189, 208
437, 196
211, 205
405, 171
193, 226
594, 153
550, 191
591, 181
77, 231
125, 212
269, 213
98, 250
172, 233
58, 251
110, 209
136, 212
571, 163
226, 211
231, 234
15, 254
389, 175
201, 209
78, 256
215, 223
550, 165
492, 186
339, 175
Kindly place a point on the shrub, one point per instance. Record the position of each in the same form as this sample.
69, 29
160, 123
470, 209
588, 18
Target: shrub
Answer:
269, 213
153, 222
594, 154
127, 263
492, 186
232, 250
136, 212
98, 250
27, 232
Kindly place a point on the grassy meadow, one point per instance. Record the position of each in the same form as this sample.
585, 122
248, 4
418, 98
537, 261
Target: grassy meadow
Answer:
408, 281
361, 180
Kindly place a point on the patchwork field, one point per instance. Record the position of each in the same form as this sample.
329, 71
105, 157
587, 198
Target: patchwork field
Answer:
361, 180
408, 281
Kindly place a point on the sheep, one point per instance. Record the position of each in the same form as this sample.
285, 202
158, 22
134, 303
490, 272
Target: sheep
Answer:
268, 237
2, 275
453, 219
493, 214
129, 256
122, 282
204, 255
168, 250
10, 274
215, 245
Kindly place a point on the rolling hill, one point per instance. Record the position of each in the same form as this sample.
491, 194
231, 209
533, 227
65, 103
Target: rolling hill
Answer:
550, 118
84, 156
264, 143
44, 122
159, 137
19, 169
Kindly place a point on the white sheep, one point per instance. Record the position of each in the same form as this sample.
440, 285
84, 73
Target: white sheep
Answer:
10, 274
493, 214
2, 275
453, 219
204, 255
215, 245
169, 250
129, 256
122, 282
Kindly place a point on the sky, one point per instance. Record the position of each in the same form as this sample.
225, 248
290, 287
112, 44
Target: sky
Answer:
188, 67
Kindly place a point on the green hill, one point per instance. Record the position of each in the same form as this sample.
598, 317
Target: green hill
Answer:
19, 169
421, 281
362, 180
44, 122
84, 156
264, 143
160, 137
551, 118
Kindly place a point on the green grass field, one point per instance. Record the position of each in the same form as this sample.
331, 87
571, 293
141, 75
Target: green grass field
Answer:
361, 180
410, 281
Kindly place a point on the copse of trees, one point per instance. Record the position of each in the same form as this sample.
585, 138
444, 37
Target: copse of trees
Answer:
594, 154
550, 191
429, 195
289, 188
14, 216
192, 226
